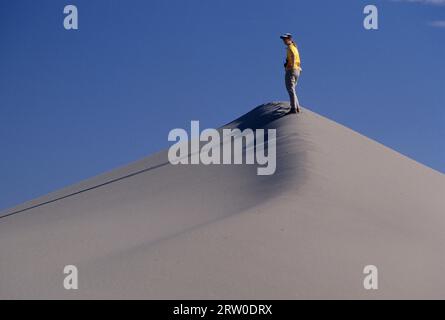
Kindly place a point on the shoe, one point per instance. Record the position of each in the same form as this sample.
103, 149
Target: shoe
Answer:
293, 110
298, 110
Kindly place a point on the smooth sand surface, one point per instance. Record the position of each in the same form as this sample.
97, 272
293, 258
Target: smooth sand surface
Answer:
338, 202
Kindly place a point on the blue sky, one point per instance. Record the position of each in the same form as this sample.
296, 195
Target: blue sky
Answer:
74, 104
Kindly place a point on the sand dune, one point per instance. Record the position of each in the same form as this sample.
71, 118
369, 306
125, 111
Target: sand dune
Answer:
337, 202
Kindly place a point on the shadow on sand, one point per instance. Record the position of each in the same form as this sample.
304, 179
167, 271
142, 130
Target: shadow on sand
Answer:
261, 116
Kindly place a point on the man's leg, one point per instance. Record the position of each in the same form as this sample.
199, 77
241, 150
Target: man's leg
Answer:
291, 81
296, 76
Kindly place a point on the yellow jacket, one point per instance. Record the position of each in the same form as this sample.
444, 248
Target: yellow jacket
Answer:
293, 58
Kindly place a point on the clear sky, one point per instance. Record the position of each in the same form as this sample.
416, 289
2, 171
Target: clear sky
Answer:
74, 104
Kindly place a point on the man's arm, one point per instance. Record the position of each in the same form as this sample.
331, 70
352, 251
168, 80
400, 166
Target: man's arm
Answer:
292, 59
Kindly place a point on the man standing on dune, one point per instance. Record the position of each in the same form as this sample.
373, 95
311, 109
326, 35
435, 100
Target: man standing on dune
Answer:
293, 70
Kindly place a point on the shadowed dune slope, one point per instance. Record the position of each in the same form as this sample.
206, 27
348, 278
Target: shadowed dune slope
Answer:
337, 202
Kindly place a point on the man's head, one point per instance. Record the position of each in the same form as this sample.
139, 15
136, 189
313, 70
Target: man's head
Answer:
287, 38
